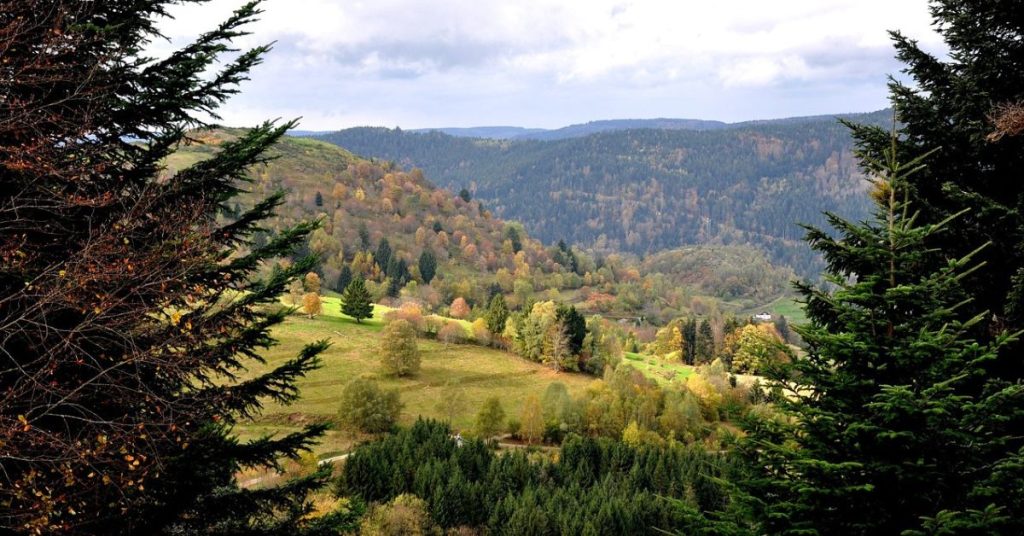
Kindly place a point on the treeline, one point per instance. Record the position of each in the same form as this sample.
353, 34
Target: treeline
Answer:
648, 189
743, 345
597, 486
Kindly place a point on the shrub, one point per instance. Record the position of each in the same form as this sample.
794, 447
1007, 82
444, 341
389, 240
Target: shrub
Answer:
411, 312
481, 334
368, 408
512, 427
452, 332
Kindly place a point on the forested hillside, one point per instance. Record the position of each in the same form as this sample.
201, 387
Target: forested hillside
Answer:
643, 190
382, 223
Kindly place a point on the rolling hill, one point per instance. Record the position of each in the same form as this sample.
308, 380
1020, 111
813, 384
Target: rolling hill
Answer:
647, 189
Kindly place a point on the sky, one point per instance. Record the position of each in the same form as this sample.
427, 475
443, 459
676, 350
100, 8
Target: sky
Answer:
551, 63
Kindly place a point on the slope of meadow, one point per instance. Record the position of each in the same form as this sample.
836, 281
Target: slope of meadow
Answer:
479, 372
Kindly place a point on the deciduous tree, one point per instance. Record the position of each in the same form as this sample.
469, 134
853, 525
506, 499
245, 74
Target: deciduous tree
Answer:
399, 353
490, 420
311, 304
532, 420
459, 308
367, 407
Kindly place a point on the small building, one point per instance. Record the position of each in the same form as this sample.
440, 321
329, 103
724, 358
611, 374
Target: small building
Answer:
762, 317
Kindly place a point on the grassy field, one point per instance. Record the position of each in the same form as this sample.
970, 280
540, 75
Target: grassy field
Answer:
785, 306
661, 370
480, 373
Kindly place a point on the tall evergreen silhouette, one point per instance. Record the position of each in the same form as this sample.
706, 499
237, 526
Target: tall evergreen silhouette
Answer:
130, 311
880, 430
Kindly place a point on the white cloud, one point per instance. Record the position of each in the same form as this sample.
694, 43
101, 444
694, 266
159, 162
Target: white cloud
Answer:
536, 62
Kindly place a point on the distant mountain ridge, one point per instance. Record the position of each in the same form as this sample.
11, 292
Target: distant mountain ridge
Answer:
643, 190
506, 132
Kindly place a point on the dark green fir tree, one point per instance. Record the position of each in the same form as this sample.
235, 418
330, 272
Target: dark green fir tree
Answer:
383, 254
356, 301
427, 266
575, 327
344, 278
955, 108
880, 429
496, 315
705, 351
130, 312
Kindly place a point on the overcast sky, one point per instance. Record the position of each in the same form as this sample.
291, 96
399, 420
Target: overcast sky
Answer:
550, 63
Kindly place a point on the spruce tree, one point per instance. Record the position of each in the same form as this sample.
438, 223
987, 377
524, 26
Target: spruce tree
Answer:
383, 255
575, 327
344, 278
705, 352
364, 237
356, 302
950, 108
955, 109
496, 315
428, 266
881, 430
129, 311
689, 349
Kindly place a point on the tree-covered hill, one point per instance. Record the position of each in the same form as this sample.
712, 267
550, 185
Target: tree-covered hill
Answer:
644, 190
364, 204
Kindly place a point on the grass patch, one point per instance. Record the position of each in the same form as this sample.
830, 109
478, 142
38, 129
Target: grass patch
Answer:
786, 306
663, 371
480, 372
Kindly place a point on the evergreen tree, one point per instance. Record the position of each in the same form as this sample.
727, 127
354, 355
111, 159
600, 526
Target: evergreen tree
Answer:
689, 332
705, 352
428, 266
355, 301
129, 311
344, 278
950, 108
364, 237
881, 431
383, 254
318, 200
496, 315
512, 235
394, 287
946, 108
782, 327
575, 327
464, 194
